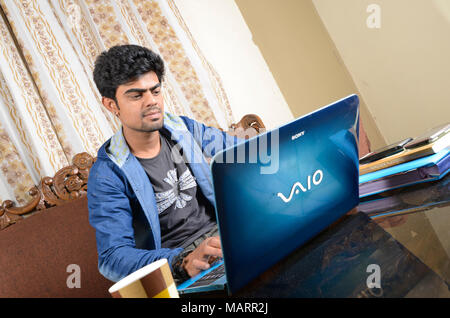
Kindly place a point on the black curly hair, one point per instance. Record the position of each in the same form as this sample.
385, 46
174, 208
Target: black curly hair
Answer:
122, 64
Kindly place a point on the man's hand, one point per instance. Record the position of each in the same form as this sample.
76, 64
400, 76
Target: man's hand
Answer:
200, 258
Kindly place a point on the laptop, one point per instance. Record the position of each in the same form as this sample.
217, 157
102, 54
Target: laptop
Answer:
277, 190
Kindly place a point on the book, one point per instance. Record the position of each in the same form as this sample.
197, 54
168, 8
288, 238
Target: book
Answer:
406, 155
410, 165
419, 198
422, 174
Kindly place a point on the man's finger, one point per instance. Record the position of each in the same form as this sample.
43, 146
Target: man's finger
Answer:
217, 252
201, 265
212, 251
214, 242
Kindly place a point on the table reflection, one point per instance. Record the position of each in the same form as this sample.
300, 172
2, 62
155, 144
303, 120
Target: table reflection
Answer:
419, 218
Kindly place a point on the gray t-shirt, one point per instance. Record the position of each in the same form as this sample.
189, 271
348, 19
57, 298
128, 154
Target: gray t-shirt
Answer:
184, 212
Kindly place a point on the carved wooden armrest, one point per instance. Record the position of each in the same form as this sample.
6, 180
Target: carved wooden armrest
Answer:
250, 125
68, 184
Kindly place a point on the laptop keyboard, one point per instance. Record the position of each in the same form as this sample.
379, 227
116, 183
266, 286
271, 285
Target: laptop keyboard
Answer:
210, 277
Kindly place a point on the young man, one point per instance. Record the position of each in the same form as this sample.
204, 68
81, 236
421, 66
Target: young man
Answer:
150, 191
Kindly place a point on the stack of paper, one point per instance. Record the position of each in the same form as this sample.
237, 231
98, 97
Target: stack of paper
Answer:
411, 166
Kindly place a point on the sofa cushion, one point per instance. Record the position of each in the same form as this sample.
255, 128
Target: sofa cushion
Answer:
36, 254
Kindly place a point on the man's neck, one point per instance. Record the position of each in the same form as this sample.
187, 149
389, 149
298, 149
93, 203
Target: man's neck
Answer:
143, 144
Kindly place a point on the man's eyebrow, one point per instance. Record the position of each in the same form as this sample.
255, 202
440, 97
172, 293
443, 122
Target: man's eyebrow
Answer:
141, 90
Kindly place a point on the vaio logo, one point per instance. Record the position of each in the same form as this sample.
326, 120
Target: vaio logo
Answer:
316, 180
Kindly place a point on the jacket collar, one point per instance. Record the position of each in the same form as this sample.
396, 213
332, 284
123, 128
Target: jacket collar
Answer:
118, 150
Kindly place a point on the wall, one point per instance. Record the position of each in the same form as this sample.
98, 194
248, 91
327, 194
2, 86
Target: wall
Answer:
401, 69
225, 40
302, 57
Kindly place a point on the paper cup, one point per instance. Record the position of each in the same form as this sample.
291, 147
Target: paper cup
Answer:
152, 281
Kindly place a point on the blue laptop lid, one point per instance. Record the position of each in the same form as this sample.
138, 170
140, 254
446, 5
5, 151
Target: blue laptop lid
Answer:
277, 190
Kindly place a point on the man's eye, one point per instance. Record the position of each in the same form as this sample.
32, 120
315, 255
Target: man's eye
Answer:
136, 96
156, 92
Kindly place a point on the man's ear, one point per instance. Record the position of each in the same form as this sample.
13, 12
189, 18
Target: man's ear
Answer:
111, 105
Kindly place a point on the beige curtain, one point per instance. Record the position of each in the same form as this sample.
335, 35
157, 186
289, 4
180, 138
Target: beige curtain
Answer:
49, 106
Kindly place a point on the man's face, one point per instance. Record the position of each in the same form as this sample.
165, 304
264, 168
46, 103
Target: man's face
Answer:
140, 104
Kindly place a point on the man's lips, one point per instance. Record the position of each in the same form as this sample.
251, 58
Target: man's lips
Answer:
152, 113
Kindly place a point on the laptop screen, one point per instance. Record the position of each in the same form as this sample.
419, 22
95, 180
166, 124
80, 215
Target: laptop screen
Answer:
279, 189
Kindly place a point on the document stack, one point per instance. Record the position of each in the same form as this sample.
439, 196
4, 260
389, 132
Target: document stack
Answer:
411, 161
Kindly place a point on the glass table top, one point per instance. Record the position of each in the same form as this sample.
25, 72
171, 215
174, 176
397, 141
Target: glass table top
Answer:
419, 218
404, 232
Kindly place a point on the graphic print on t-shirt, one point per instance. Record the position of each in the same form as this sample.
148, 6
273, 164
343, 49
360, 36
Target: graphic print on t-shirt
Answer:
175, 194
183, 211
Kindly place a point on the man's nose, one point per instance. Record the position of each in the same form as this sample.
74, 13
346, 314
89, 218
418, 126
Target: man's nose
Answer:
150, 99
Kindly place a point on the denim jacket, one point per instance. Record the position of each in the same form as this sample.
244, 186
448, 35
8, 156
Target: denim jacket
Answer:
121, 201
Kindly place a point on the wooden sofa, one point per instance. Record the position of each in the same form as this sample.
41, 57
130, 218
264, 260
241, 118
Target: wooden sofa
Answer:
52, 252
38, 252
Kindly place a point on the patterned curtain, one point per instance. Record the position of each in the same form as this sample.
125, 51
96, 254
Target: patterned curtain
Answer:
49, 106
